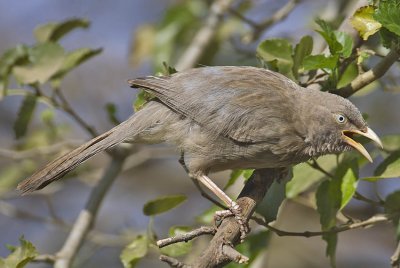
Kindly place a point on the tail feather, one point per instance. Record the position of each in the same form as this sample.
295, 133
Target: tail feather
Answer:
58, 168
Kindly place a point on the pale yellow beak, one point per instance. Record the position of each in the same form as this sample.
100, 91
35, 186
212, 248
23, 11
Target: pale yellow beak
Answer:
369, 133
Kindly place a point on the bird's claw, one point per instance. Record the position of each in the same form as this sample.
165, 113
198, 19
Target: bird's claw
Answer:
234, 210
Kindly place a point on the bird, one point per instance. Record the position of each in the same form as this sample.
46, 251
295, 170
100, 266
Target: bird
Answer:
228, 117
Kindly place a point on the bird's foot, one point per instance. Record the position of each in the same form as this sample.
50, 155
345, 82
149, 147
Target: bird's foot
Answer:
234, 210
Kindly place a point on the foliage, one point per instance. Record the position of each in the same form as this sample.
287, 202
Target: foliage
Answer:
332, 179
162, 204
20, 256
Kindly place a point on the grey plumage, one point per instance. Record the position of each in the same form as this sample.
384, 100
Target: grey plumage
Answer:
224, 118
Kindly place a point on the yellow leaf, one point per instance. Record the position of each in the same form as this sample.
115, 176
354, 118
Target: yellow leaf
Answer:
364, 22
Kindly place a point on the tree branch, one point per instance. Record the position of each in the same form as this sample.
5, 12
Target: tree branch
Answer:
187, 236
395, 259
371, 221
204, 35
68, 109
370, 76
228, 232
259, 28
46, 258
173, 262
87, 216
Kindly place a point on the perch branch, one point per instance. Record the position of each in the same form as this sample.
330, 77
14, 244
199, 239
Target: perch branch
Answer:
228, 232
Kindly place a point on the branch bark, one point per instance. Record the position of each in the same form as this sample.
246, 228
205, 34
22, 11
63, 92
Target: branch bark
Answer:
370, 76
228, 232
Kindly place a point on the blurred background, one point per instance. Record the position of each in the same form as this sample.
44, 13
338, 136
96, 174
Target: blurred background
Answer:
115, 26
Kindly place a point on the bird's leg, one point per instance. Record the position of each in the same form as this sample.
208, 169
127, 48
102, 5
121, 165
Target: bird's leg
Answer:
232, 205
196, 183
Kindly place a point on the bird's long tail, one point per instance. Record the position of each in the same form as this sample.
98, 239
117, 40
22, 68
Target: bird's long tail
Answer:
58, 168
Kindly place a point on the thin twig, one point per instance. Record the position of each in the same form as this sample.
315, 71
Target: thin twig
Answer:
371, 221
259, 28
361, 197
173, 262
317, 166
234, 255
204, 36
68, 109
187, 236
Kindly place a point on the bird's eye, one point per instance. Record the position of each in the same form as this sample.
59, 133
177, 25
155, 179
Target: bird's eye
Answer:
341, 119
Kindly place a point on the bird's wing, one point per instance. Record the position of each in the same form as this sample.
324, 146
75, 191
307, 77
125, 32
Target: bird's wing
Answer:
246, 104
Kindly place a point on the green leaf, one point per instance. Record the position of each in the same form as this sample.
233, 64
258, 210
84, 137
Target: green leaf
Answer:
254, 244
302, 49
392, 203
333, 195
364, 23
11, 57
320, 61
305, 176
54, 31
348, 75
390, 167
273, 199
74, 59
135, 251
207, 216
391, 142
347, 173
142, 98
168, 69
236, 174
20, 256
346, 41
363, 55
328, 34
111, 112
24, 115
389, 39
163, 204
46, 59
277, 52
392, 207
328, 204
388, 14
181, 248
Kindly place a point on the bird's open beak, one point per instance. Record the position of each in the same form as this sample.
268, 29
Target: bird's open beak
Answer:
369, 133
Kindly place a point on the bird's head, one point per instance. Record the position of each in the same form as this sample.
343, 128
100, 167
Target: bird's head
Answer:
334, 122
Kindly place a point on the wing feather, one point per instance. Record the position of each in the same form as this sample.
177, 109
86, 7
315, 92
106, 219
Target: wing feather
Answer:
246, 104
